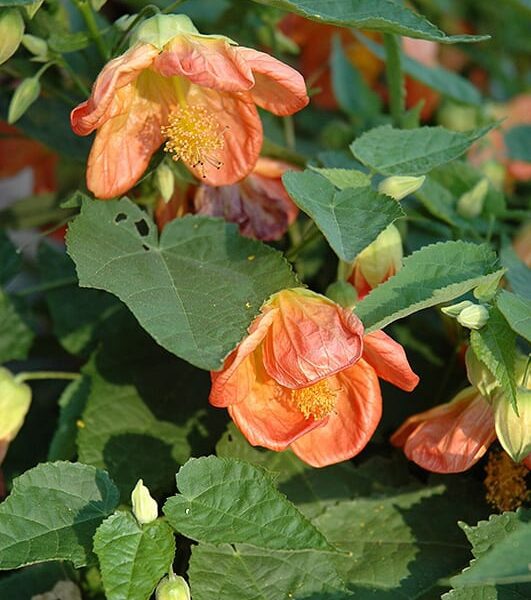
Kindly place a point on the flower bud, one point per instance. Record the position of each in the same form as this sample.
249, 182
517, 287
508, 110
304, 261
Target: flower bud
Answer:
400, 186
471, 203
36, 45
145, 507
479, 376
173, 587
473, 317
455, 309
514, 430
25, 95
458, 117
343, 294
15, 400
165, 181
11, 32
32, 8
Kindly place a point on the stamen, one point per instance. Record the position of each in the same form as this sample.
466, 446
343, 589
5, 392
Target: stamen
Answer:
194, 136
505, 482
315, 401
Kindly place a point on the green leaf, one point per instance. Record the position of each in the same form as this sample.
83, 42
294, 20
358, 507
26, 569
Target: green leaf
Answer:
196, 291
376, 15
344, 178
31, 581
412, 151
350, 219
52, 513
518, 273
517, 312
133, 558
9, 259
15, 335
227, 500
66, 42
435, 274
494, 345
15, 2
517, 140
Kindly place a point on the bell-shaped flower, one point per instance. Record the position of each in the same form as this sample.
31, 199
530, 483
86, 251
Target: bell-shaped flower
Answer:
306, 378
197, 93
15, 400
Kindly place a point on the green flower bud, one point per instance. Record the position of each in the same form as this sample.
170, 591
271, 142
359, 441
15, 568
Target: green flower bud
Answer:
455, 309
173, 587
400, 186
471, 203
36, 45
479, 376
165, 181
343, 293
145, 507
15, 400
11, 32
25, 95
514, 430
473, 317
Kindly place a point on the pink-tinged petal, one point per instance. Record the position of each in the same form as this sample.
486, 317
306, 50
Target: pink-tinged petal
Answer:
278, 87
450, 438
116, 74
235, 381
271, 168
351, 425
267, 418
389, 360
312, 338
211, 63
241, 129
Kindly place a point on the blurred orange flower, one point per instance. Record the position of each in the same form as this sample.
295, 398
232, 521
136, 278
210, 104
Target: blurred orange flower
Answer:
197, 93
306, 378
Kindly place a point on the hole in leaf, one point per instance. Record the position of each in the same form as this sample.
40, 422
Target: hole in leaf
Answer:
146, 248
120, 217
142, 227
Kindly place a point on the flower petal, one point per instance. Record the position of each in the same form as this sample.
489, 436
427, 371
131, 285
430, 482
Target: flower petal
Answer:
449, 438
235, 381
351, 425
211, 63
279, 88
389, 360
116, 74
311, 338
266, 418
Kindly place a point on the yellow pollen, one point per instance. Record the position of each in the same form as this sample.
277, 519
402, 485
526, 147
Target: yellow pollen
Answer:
194, 136
505, 482
315, 401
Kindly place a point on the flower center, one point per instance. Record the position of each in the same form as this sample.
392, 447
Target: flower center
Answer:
505, 482
315, 401
194, 136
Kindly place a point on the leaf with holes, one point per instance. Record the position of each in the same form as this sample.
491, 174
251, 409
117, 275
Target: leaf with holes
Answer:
196, 290
435, 274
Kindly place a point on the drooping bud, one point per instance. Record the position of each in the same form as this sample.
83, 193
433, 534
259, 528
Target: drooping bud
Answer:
145, 508
474, 317
25, 95
514, 430
455, 309
343, 294
11, 32
15, 400
479, 376
400, 186
470, 204
36, 45
173, 587
165, 181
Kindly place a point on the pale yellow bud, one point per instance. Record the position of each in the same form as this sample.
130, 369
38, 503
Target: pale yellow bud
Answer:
479, 376
165, 180
455, 309
473, 317
514, 430
399, 186
173, 587
11, 32
382, 258
145, 508
25, 95
15, 400
471, 203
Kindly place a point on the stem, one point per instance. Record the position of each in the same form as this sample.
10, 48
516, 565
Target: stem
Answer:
289, 132
146, 10
170, 8
77, 81
344, 270
88, 16
395, 78
293, 253
44, 287
22, 377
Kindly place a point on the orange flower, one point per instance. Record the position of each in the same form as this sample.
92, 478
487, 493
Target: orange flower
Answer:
306, 378
259, 204
425, 52
198, 93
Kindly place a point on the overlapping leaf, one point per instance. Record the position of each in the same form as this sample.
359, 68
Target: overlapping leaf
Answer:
517, 312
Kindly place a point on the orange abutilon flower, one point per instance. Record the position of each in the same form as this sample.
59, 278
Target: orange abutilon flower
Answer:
306, 377
197, 93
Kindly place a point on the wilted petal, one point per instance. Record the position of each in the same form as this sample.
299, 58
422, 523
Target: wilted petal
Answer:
311, 339
278, 87
351, 425
389, 360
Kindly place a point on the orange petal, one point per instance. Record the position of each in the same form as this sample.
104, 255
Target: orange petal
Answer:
279, 88
351, 425
389, 360
116, 74
235, 381
449, 438
242, 134
312, 338
211, 63
266, 417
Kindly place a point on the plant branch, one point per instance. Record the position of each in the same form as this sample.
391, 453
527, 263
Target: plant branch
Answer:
395, 78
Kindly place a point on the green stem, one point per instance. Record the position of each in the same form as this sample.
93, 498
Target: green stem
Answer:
22, 377
294, 252
85, 9
145, 11
44, 287
395, 78
171, 7
289, 132
344, 270
73, 75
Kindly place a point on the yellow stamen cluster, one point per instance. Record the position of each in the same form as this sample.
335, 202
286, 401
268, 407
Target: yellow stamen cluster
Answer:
505, 482
194, 136
315, 401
